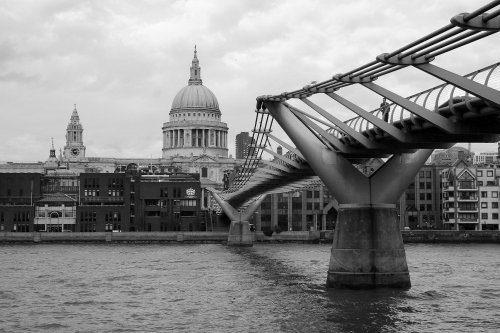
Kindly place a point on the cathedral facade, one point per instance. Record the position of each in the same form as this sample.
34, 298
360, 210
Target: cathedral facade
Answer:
195, 139
195, 127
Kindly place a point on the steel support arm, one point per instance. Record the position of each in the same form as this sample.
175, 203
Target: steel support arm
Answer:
278, 166
226, 207
286, 145
392, 178
430, 116
344, 181
283, 158
384, 126
340, 124
335, 142
247, 213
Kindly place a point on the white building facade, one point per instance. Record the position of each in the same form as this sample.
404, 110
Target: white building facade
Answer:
471, 197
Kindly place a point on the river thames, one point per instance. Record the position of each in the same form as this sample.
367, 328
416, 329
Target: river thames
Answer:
214, 288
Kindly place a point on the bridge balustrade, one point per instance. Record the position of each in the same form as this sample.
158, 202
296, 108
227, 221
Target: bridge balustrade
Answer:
444, 96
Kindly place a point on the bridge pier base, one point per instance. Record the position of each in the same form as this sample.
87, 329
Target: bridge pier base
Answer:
367, 250
240, 234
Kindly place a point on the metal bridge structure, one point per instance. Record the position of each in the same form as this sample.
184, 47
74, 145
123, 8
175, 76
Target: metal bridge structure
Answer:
367, 250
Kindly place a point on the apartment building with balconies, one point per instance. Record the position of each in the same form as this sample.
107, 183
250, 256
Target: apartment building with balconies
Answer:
470, 197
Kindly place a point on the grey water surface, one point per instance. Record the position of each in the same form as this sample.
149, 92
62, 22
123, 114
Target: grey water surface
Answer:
214, 288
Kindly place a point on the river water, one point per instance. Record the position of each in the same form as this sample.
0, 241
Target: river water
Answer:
214, 288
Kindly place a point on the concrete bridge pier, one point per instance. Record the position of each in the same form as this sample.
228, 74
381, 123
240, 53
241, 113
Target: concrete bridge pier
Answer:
239, 230
367, 250
240, 234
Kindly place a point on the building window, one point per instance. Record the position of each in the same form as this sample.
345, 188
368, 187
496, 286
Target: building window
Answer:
489, 173
484, 205
479, 173
484, 194
428, 185
484, 216
204, 172
494, 216
422, 196
494, 194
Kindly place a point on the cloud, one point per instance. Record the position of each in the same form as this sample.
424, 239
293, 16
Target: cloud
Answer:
122, 62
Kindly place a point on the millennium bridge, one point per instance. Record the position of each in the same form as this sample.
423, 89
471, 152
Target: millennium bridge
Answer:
367, 250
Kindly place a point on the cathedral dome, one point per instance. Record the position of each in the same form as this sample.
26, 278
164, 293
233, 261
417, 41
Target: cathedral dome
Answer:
195, 97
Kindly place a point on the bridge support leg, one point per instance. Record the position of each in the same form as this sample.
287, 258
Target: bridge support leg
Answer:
240, 234
239, 231
367, 250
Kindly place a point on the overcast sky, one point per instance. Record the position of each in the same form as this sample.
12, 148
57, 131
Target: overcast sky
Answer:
122, 62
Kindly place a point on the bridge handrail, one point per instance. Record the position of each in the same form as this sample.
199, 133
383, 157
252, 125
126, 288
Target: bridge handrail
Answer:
427, 100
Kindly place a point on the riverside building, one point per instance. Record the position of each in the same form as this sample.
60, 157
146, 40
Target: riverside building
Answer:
122, 201
471, 197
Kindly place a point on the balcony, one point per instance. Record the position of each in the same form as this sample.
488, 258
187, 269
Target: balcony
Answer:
467, 188
467, 220
448, 199
468, 210
469, 198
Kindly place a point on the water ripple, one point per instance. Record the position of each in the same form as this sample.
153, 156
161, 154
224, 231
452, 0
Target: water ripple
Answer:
214, 288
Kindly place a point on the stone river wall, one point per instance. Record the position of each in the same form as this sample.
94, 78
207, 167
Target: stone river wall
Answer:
409, 236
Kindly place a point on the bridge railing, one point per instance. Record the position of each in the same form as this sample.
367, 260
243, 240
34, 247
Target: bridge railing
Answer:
431, 99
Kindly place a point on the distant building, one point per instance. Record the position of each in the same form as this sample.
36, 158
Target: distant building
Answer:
18, 193
485, 158
243, 145
301, 210
471, 197
451, 155
420, 205
74, 150
90, 202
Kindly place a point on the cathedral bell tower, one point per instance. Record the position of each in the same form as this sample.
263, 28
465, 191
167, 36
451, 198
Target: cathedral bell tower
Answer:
74, 150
